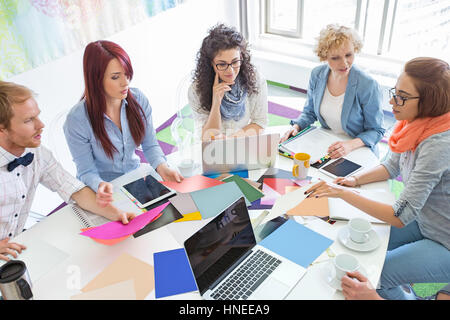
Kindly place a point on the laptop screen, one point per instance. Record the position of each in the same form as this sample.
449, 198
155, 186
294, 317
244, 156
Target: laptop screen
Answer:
219, 244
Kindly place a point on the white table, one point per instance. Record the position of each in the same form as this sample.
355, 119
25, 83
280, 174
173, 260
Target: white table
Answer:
86, 258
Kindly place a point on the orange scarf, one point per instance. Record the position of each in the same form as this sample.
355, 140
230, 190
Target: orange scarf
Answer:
408, 135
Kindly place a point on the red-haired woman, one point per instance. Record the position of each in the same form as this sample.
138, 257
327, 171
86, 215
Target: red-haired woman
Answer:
111, 120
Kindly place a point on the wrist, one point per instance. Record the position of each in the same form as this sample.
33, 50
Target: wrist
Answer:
356, 180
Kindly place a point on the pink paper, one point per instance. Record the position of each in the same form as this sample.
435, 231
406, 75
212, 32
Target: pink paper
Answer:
192, 184
116, 229
303, 182
270, 196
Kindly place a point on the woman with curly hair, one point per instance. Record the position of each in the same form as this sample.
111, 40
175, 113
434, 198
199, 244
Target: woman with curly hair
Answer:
341, 96
228, 96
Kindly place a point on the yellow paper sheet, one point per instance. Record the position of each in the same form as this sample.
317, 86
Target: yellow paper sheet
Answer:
190, 217
125, 268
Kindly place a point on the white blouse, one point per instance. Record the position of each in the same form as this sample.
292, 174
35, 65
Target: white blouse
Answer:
331, 110
256, 108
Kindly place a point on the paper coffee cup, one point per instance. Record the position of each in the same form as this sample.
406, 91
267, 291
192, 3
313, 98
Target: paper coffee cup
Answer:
301, 165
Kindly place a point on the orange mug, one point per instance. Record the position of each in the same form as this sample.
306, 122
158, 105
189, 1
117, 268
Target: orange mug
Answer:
301, 165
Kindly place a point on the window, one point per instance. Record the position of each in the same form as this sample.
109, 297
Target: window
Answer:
399, 29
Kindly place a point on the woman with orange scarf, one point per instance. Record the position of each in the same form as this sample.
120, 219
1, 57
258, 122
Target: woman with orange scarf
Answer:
419, 243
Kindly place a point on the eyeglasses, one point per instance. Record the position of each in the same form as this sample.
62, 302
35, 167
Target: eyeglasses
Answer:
399, 100
224, 66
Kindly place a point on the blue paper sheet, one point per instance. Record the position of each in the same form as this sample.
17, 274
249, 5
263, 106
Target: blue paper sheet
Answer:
173, 273
296, 243
212, 201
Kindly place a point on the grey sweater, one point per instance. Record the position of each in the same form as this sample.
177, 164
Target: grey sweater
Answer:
426, 196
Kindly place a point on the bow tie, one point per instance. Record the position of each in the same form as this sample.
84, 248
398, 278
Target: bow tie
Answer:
25, 160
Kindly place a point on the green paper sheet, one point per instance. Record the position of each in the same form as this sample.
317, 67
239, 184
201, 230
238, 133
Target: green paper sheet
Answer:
249, 191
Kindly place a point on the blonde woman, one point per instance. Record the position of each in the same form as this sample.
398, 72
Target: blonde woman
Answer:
341, 96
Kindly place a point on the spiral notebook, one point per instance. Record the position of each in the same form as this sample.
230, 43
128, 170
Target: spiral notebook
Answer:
88, 219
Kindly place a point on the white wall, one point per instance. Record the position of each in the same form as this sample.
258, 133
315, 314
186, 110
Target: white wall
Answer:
162, 50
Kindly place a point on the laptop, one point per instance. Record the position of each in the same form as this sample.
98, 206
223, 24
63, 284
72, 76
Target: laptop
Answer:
227, 264
242, 153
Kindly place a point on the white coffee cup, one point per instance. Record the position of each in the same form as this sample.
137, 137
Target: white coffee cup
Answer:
359, 229
344, 263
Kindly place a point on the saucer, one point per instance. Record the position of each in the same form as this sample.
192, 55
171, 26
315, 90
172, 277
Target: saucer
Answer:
329, 275
371, 244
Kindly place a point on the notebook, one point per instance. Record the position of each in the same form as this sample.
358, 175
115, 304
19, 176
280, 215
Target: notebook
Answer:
314, 141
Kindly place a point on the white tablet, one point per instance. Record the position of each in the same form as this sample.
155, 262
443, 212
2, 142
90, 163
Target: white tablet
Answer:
340, 168
146, 191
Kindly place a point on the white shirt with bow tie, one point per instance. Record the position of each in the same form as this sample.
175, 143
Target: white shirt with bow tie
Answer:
17, 188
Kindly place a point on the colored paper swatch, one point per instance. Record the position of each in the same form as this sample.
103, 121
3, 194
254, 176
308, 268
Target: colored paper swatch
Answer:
241, 173
190, 217
173, 273
290, 189
183, 203
276, 173
279, 185
168, 214
302, 182
311, 207
296, 243
212, 201
286, 202
116, 229
125, 267
270, 195
108, 242
192, 184
118, 291
248, 190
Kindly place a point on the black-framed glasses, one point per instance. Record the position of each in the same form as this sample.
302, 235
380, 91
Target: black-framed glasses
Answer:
399, 100
224, 66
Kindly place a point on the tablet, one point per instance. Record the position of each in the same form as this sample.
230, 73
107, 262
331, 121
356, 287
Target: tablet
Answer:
340, 168
146, 190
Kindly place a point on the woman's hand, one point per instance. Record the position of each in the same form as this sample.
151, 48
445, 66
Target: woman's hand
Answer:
168, 174
104, 194
10, 248
218, 90
124, 217
325, 189
359, 288
340, 149
346, 181
290, 133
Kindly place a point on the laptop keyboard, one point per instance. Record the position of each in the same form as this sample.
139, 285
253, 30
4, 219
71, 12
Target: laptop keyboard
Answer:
247, 277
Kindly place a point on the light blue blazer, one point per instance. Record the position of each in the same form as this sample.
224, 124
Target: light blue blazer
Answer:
362, 113
93, 165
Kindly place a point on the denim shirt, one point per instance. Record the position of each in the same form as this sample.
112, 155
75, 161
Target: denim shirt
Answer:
93, 165
362, 113
426, 196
